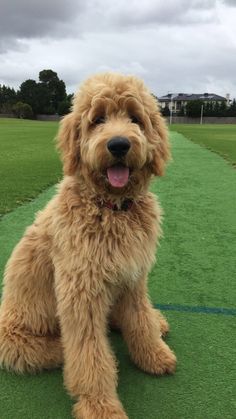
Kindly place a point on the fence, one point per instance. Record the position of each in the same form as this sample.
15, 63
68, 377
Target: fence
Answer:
175, 119
48, 117
205, 120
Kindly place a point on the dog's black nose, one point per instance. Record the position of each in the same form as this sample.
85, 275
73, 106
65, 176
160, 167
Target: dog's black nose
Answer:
118, 146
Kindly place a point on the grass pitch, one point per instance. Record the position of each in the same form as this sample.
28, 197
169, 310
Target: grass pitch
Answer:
218, 138
28, 161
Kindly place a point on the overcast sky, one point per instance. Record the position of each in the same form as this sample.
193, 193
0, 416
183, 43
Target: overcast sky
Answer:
174, 45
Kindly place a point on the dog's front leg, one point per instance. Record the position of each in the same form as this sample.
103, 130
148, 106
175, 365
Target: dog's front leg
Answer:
90, 368
142, 331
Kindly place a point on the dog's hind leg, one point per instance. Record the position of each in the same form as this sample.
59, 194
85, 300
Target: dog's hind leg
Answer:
22, 351
29, 330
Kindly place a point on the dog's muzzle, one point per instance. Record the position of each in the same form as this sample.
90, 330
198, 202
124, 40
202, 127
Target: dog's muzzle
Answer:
118, 146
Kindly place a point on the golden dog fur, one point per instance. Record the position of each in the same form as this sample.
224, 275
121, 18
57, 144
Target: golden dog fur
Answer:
81, 264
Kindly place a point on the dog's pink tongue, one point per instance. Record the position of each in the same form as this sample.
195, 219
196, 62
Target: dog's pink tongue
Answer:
118, 176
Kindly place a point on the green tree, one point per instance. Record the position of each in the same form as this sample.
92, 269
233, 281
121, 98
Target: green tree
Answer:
193, 108
48, 96
43, 100
70, 98
232, 109
48, 76
22, 110
56, 88
29, 94
223, 109
8, 97
63, 107
181, 111
165, 111
208, 109
37, 96
217, 109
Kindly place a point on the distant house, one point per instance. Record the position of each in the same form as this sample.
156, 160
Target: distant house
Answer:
180, 100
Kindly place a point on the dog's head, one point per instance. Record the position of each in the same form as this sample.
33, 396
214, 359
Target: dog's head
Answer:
115, 136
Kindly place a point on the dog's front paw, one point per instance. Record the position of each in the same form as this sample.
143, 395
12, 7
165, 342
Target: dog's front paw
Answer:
158, 359
165, 360
91, 408
164, 325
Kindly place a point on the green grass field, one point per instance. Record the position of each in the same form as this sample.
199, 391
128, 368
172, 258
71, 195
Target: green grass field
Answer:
194, 283
218, 138
28, 162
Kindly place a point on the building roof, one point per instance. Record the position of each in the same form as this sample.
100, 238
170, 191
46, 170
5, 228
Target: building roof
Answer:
192, 96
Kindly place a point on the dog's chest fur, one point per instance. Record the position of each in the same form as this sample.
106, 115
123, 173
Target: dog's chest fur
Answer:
104, 245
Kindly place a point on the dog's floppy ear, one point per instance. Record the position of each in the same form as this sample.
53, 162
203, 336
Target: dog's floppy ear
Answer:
160, 141
68, 143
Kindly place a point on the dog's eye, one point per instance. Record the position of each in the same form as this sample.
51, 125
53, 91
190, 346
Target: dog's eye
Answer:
99, 120
134, 119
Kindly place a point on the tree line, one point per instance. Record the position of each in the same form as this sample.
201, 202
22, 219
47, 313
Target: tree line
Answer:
47, 96
193, 109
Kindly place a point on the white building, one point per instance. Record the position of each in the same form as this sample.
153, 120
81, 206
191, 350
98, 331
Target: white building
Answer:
180, 100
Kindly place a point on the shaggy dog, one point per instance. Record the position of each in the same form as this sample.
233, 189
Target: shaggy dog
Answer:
84, 261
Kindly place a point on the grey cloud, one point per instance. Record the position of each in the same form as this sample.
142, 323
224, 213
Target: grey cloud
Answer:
231, 3
11, 44
59, 18
134, 13
165, 43
27, 19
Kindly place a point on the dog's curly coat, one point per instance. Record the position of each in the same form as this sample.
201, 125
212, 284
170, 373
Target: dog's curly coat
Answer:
82, 264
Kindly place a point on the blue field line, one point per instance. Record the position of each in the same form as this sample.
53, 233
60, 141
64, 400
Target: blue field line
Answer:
192, 309
200, 309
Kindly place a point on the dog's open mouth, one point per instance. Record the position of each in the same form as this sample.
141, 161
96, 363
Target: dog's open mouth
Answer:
118, 175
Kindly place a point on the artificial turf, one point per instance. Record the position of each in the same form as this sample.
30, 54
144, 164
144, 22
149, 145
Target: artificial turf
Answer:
219, 138
195, 268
